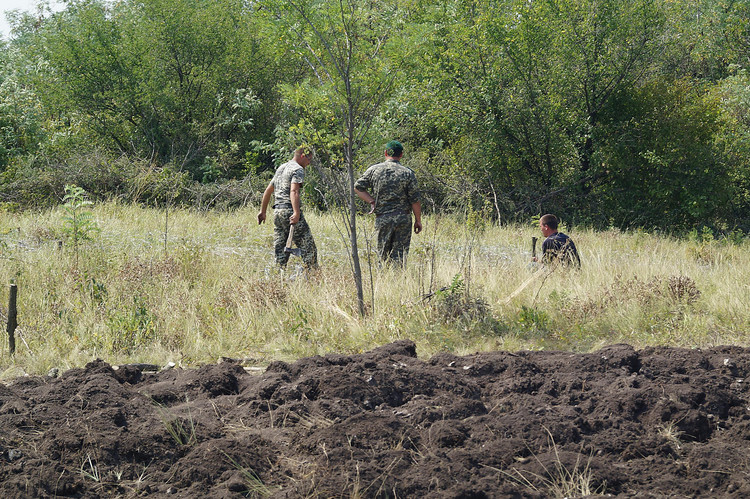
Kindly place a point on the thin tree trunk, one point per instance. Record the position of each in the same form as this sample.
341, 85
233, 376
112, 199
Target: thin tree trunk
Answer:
353, 222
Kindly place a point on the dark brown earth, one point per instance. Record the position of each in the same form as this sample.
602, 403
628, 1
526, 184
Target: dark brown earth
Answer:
660, 422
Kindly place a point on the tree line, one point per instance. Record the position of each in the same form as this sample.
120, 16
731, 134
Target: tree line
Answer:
608, 113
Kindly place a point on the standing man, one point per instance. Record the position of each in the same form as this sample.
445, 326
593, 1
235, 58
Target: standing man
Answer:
286, 186
392, 192
557, 247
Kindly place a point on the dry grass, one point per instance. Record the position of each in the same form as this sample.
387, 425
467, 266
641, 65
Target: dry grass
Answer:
558, 480
214, 291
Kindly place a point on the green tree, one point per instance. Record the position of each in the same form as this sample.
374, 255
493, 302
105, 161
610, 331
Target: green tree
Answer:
706, 38
449, 105
515, 92
176, 80
733, 142
21, 116
569, 59
348, 47
664, 171
78, 223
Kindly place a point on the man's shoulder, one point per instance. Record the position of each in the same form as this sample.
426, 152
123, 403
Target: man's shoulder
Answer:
559, 236
375, 170
292, 169
391, 168
566, 238
555, 240
406, 170
291, 165
398, 166
377, 166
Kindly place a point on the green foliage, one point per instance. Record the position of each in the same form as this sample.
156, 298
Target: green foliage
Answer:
299, 324
132, 329
21, 116
706, 235
169, 79
457, 286
708, 38
78, 223
40, 180
732, 140
453, 303
182, 430
159, 186
354, 51
631, 114
478, 220
97, 290
533, 320
665, 173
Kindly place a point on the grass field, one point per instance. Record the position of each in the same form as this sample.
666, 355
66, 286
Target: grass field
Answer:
207, 287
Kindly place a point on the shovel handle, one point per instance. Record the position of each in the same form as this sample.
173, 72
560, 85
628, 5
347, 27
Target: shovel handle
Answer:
291, 237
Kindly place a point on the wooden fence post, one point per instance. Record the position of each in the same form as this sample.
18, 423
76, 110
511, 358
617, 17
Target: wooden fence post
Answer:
12, 318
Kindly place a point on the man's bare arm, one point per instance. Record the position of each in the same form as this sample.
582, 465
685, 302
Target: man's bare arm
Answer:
294, 194
416, 208
264, 203
365, 196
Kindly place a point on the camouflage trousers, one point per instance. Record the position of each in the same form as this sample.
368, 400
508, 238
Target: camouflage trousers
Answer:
302, 238
394, 236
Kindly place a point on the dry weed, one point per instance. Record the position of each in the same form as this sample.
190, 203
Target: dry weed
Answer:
682, 288
261, 292
644, 293
137, 270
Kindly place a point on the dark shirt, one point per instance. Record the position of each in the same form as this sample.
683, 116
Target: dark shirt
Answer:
559, 247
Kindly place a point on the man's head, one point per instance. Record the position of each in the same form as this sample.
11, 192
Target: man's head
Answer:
394, 149
303, 154
548, 224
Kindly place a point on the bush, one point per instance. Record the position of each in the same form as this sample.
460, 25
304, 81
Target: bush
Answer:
224, 195
39, 182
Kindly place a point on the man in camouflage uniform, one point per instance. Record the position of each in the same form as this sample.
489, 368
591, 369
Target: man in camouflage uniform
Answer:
392, 192
286, 187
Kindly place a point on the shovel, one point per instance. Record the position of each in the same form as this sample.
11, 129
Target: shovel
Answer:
288, 248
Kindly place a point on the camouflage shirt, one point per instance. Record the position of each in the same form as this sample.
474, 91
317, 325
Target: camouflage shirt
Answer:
287, 174
393, 186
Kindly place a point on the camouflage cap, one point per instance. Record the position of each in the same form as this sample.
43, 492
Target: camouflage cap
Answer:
394, 148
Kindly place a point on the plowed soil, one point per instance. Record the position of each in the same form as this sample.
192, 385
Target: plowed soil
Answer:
659, 422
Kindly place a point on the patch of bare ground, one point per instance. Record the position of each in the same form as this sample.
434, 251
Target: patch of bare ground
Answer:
660, 422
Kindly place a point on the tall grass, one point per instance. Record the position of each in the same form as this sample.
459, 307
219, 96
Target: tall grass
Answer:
215, 291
